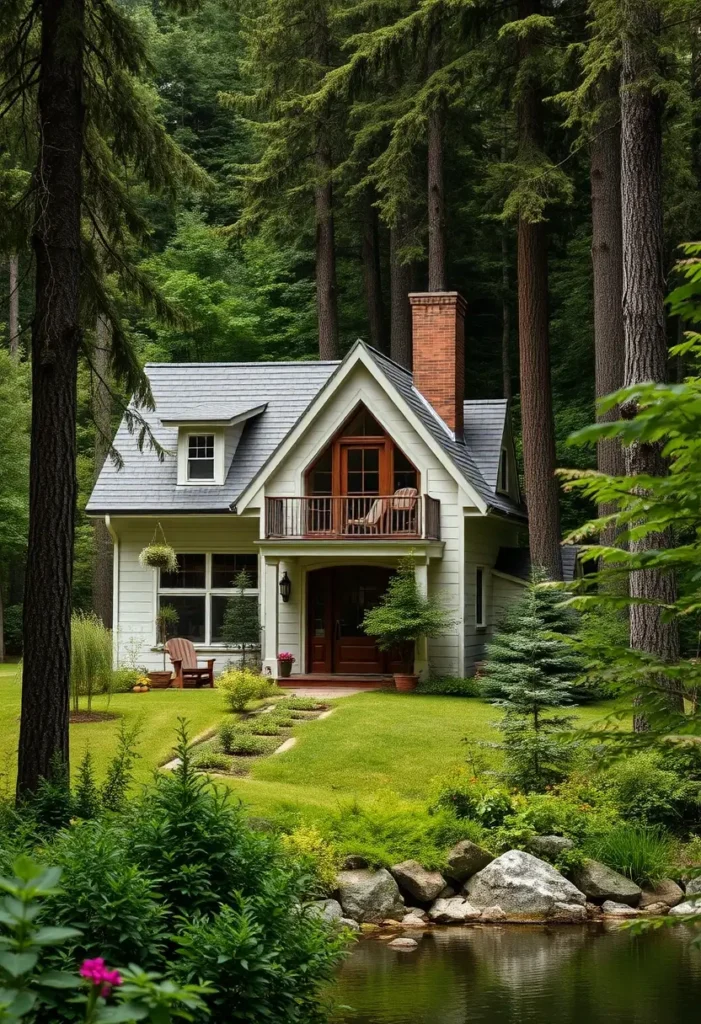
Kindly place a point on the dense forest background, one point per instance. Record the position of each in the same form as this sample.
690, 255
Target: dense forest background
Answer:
327, 149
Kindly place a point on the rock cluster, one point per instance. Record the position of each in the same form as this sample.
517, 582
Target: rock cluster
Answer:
518, 886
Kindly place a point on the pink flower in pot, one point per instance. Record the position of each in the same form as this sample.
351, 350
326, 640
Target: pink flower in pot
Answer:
285, 661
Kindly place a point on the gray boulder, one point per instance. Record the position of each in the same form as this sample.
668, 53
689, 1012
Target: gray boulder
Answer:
369, 896
419, 883
568, 913
453, 911
350, 924
328, 910
599, 883
413, 921
550, 846
525, 887
405, 944
465, 860
693, 886
613, 909
665, 891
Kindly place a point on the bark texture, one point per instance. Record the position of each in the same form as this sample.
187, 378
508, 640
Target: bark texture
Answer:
102, 418
607, 266
643, 295
13, 311
534, 342
372, 278
326, 294
505, 320
437, 246
55, 343
401, 282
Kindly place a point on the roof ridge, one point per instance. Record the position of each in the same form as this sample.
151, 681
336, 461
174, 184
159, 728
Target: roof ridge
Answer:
253, 362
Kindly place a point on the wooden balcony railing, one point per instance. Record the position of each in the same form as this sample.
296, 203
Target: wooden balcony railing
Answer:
342, 518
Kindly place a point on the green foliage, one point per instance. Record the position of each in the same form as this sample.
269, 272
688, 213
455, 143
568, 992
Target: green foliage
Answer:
51, 806
404, 615
247, 745
528, 671
649, 794
13, 629
119, 771
468, 797
643, 854
225, 735
242, 687
241, 625
123, 679
159, 556
261, 725
449, 686
315, 854
300, 704
86, 796
212, 761
91, 658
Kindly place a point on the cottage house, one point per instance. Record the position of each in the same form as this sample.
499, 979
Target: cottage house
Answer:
317, 477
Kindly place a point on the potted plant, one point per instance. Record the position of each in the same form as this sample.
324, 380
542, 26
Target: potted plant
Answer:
165, 620
403, 616
159, 554
285, 661
142, 684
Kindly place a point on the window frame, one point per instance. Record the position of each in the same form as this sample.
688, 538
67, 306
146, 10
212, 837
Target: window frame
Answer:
481, 596
205, 437
208, 592
503, 474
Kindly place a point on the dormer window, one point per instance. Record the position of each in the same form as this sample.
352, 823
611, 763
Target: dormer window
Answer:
200, 457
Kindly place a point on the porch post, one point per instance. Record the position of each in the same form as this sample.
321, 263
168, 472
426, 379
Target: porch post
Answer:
421, 651
270, 614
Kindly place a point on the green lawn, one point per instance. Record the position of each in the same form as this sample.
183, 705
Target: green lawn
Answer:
373, 743
157, 713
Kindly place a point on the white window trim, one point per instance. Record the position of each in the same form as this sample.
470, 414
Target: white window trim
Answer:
208, 591
483, 623
198, 430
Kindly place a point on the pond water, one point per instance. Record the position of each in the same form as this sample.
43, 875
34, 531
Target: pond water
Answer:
521, 974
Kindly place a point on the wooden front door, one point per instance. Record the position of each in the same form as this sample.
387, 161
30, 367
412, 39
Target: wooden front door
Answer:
338, 598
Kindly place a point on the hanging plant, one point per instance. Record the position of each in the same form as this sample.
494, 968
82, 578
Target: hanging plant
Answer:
159, 554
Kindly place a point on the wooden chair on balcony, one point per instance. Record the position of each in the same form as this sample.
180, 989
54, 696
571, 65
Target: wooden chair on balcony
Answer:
400, 506
187, 672
403, 509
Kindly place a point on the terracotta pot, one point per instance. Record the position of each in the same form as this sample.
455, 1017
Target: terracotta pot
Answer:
284, 669
405, 683
159, 680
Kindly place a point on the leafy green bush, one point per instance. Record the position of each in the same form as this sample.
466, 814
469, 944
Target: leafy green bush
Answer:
241, 687
449, 686
212, 760
643, 854
282, 718
123, 679
247, 745
650, 794
300, 704
261, 725
468, 797
225, 736
307, 846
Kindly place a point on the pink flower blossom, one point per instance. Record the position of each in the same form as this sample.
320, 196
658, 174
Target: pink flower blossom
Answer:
98, 973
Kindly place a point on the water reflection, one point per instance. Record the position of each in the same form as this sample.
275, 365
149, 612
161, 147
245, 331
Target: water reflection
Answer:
509, 975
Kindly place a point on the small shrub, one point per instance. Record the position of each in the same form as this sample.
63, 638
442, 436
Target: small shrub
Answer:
264, 725
120, 769
86, 800
647, 792
226, 734
211, 759
643, 854
467, 797
301, 704
308, 847
123, 679
449, 686
247, 745
282, 718
241, 687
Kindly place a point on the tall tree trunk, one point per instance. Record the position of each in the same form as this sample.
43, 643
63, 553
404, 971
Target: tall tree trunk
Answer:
55, 343
371, 275
14, 305
102, 418
505, 320
607, 265
326, 297
437, 242
534, 342
643, 299
401, 281
2, 625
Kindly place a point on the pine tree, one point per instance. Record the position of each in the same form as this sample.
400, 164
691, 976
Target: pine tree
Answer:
86, 795
529, 670
241, 626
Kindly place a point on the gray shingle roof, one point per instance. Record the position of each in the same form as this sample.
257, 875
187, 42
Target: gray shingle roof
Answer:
147, 485
517, 562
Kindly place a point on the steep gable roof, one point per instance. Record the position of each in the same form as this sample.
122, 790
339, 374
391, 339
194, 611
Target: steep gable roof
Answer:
286, 390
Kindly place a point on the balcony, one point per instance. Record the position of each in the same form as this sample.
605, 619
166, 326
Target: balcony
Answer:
383, 517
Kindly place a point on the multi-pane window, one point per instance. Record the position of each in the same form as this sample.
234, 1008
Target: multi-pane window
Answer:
199, 591
200, 457
364, 471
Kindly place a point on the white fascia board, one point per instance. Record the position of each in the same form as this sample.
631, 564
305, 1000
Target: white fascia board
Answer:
356, 356
511, 579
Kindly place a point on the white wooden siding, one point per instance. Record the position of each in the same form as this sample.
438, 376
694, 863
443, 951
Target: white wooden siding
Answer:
483, 538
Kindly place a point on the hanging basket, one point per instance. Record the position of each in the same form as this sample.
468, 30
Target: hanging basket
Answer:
159, 555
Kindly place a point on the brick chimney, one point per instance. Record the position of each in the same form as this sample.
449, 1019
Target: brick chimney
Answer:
438, 330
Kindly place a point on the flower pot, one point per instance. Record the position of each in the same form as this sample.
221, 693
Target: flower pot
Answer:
284, 669
159, 680
405, 683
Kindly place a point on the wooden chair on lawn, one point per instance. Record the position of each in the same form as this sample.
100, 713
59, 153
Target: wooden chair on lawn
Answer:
187, 672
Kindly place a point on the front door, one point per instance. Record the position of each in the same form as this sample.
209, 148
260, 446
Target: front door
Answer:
337, 600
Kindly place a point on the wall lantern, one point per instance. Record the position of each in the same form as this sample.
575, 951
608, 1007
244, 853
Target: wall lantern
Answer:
285, 587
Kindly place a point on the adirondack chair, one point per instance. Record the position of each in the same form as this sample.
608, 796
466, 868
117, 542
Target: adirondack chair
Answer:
402, 507
187, 672
371, 522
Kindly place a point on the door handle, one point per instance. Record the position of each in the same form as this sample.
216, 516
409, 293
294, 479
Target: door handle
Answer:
337, 630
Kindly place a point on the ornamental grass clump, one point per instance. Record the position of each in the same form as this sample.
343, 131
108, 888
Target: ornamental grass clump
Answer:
91, 658
642, 854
